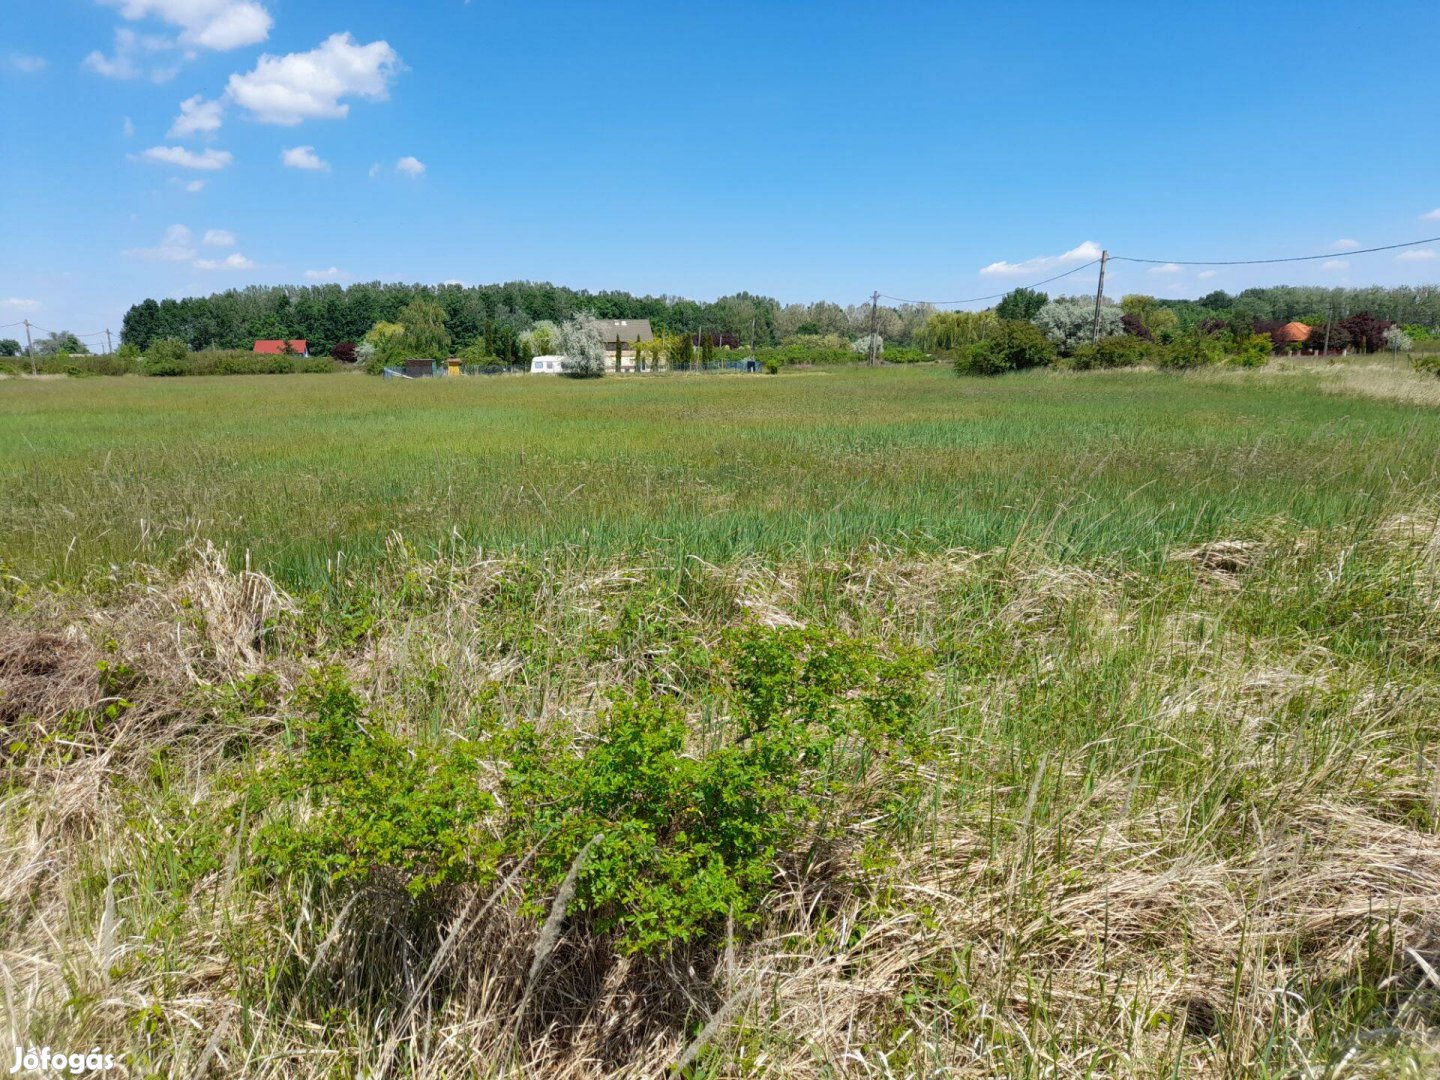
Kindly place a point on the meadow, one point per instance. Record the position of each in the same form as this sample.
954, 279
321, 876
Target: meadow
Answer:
866, 722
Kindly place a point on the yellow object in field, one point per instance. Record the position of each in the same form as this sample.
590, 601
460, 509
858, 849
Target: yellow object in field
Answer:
453, 365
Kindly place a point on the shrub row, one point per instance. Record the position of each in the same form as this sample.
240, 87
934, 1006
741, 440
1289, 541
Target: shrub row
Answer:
234, 363
1015, 346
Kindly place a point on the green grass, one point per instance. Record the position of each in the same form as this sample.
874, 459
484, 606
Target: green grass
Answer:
296, 469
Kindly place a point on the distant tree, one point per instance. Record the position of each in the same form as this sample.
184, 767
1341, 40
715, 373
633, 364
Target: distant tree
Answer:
1397, 340
425, 334
1366, 332
1159, 321
1219, 300
682, 352
1021, 305
1071, 323
9, 347
579, 342
344, 351
62, 341
128, 352
1135, 327
1013, 346
946, 331
540, 338
141, 325
167, 356
862, 345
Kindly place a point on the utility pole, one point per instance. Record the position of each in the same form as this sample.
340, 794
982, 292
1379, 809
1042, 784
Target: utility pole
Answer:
1329, 318
109, 345
874, 325
1099, 295
30, 349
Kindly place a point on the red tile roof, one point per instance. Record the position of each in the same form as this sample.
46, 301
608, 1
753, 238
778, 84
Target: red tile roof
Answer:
277, 348
1295, 331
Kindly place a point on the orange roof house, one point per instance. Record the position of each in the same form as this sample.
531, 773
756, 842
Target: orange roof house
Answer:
1294, 332
298, 347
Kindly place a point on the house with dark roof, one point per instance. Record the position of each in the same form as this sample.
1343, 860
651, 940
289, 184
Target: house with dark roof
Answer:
298, 347
625, 331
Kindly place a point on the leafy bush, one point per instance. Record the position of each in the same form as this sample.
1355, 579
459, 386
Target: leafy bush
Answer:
167, 356
1252, 350
1190, 351
903, 354
376, 806
798, 353
79, 366
1014, 346
579, 341
233, 362
1427, 363
1118, 350
677, 843
344, 352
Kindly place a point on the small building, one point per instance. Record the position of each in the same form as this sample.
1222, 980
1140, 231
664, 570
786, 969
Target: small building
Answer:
1293, 333
298, 347
625, 331
547, 365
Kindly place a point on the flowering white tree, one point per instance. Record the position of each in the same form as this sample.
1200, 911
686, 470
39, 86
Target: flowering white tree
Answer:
862, 344
578, 340
1071, 323
1396, 340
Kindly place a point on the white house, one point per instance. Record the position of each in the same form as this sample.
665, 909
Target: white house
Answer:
547, 365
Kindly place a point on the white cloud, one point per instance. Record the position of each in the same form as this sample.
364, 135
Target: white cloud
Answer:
129, 61
1168, 268
15, 303
197, 117
219, 238
178, 245
332, 274
304, 157
230, 262
306, 86
1206, 275
1335, 264
376, 170
1433, 215
206, 24
410, 166
1419, 255
1086, 252
1345, 245
27, 65
209, 161
128, 128
194, 187
455, 281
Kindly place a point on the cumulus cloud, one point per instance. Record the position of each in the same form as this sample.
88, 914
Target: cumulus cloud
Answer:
296, 87
219, 238
128, 128
230, 262
1433, 215
15, 303
332, 274
1418, 255
197, 117
1206, 275
208, 161
1167, 268
194, 186
27, 65
132, 53
178, 245
410, 166
1345, 245
207, 24
304, 157
1086, 252
1335, 264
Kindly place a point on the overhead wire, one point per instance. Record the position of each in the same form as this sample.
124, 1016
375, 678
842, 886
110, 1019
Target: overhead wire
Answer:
992, 296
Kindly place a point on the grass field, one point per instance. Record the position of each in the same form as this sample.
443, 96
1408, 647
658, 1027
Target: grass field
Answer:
295, 469
1161, 798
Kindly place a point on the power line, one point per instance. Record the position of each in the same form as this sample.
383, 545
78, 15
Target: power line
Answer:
994, 296
1258, 262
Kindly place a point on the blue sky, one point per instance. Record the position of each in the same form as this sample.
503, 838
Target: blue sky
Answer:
804, 150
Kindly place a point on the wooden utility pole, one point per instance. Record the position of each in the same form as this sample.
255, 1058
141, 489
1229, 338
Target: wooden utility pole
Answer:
1329, 318
874, 326
30, 349
109, 345
1099, 296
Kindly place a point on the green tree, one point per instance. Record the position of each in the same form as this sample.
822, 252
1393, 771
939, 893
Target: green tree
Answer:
9, 347
425, 332
1021, 305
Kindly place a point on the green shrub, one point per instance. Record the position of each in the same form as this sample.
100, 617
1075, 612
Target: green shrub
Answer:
231, 362
79, 366
1118, 350
1013, 346
166, 357
377, 806
772, 366
1252, 350
796, 353
676, 843
1190, 351
1427, 363
901, 354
